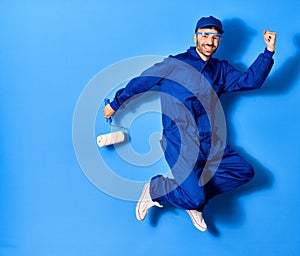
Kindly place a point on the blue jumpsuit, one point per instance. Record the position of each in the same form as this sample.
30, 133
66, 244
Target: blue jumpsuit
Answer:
188, 85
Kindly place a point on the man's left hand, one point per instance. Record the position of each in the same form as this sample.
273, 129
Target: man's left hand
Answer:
270, 39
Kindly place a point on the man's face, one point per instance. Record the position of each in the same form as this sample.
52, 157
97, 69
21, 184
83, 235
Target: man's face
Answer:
207, 42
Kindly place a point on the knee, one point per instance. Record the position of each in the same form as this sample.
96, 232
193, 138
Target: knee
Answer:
248, 172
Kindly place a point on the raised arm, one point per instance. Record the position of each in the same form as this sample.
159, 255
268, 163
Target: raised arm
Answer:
256, 74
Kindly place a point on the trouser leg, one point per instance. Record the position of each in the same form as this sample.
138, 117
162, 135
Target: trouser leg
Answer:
187, 195
233, 171
184, 190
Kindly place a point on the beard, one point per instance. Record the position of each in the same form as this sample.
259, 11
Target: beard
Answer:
206, 49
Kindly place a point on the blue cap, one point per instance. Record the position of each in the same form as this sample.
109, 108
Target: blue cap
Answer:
210, 22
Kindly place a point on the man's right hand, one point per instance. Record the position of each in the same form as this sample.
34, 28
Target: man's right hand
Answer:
108, 111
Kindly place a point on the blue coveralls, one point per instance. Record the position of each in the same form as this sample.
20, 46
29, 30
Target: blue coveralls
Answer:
188, 123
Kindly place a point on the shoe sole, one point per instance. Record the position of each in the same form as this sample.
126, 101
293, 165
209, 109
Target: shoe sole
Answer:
201, 228
140, 201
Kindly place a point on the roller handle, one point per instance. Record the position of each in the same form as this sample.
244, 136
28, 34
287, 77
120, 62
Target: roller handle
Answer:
106, 102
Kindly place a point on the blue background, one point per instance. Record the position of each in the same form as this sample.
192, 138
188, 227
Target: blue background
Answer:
49, 50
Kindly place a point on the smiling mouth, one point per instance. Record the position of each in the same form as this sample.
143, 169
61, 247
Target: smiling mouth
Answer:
209, 48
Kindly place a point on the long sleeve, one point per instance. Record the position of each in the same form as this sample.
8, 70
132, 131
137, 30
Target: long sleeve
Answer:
148, 79
253, 78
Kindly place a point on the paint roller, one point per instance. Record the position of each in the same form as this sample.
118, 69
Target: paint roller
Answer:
113, 137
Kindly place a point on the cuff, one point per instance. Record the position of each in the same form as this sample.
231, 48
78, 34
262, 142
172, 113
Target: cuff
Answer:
268, 54
114, 105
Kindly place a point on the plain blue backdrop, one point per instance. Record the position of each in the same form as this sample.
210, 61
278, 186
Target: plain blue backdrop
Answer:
50, 50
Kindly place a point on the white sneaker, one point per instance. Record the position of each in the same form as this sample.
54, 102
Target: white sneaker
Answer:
197, 220
145, 203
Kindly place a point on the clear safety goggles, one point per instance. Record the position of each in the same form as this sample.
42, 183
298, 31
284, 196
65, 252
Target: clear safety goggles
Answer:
207, 35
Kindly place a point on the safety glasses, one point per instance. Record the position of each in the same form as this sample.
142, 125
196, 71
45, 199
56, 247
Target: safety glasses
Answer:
207, 35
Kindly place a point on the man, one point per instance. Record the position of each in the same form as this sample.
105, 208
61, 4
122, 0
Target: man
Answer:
189, 141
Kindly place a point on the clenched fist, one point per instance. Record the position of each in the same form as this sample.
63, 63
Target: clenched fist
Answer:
270, 39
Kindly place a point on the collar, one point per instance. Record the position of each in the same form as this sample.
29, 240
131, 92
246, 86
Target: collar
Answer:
192, 51
210, 62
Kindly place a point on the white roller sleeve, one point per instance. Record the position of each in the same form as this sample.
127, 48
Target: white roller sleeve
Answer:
110, 138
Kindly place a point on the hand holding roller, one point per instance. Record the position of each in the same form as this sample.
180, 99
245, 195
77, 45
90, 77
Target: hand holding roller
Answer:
106, 102
113, 137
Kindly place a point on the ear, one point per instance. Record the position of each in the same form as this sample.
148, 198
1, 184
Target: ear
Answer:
195, 38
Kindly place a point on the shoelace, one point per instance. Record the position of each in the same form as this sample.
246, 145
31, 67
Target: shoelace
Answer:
198, 218
146, 204
197, 215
